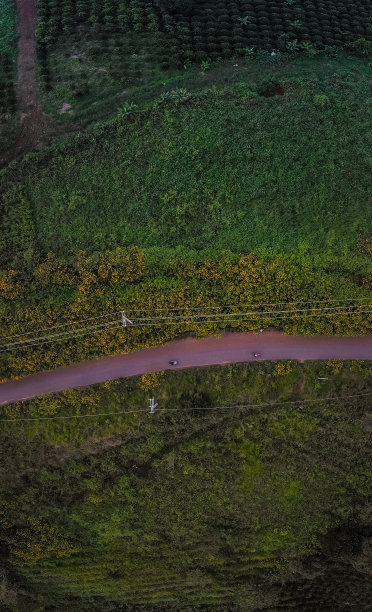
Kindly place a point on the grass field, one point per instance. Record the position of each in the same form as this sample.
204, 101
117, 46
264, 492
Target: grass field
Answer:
190, 508
234, 167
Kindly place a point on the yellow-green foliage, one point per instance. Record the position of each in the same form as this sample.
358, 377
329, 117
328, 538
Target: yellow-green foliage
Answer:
174, 508
139, 282
39, 541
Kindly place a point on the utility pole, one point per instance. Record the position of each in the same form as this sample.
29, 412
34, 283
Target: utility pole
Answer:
125, 320
152, 405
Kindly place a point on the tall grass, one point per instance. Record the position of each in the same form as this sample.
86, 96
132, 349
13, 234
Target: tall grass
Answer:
229, 168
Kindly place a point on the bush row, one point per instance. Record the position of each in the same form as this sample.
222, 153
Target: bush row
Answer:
213, 29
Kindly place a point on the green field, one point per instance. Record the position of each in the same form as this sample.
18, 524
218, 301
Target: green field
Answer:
187, 508
234, 167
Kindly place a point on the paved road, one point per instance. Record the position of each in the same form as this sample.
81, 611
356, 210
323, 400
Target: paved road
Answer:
230, 348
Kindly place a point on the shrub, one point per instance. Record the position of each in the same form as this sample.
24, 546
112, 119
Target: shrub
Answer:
320, 100
362, 47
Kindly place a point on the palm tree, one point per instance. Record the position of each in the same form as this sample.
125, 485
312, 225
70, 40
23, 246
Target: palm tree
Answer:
244, 20
292, 45
308, 48
127, 109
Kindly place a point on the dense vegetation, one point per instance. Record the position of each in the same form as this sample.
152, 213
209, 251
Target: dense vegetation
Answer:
227, 213
90, 50
95, 288
229, 505
237, 167
7, 63
227, 176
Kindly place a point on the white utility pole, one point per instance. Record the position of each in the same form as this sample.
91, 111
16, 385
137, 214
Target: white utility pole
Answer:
152, 405
125, 319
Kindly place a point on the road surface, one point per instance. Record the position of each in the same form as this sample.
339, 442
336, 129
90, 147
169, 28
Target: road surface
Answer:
229, 348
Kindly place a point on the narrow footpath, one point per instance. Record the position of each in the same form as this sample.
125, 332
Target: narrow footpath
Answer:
32, 120
190, 353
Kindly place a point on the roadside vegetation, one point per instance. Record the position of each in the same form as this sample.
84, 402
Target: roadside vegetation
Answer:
238, 501
187, 287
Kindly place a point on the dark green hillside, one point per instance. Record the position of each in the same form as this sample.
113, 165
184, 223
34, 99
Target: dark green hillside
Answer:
209, 168
249, 505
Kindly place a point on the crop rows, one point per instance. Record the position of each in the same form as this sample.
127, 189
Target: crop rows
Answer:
124, 36
7, 59
7, 92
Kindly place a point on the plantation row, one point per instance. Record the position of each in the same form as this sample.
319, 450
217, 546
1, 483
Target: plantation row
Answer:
207, 30
7, 59
7, 91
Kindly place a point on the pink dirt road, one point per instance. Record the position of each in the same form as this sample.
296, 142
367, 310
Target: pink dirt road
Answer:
229, 348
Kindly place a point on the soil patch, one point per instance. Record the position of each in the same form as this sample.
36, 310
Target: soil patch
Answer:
270, 90
66, 108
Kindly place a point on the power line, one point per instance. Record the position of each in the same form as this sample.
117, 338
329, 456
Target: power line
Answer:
253, 304
86, 416
180, 317
79, 333
254, 319
39, 331
184, 316
260, 312
59, 334
244, 314
110, 326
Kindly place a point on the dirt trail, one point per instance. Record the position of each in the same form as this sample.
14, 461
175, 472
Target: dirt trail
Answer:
32, 120
229, 348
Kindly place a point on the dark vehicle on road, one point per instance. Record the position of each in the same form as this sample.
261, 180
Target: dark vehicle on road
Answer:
173, 362
256, 354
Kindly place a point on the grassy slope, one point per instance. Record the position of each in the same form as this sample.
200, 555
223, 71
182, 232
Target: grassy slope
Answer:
185, 508
223, 170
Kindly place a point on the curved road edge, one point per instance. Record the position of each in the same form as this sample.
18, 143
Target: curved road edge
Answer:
190, 352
